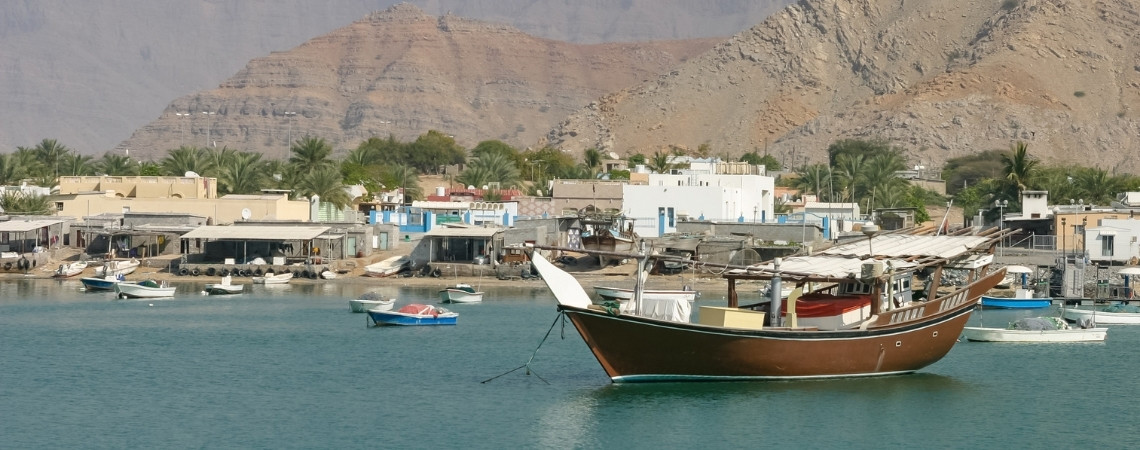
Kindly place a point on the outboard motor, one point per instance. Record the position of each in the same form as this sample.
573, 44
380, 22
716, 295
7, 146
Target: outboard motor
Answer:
1085, 323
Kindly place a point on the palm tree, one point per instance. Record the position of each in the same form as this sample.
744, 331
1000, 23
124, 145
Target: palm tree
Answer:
813, 179
488, 168
186, 159
593, 159
50, 152
849, 175
310, 154
659, 162
1019, 167
243, 175
326, 183
74, 164
1097, 186
117, 165
216, 159
25, 163
10, 171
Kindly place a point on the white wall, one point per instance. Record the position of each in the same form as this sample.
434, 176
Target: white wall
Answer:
1124, 235
716, 197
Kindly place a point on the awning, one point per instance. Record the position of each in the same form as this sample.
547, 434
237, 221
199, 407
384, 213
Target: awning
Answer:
22, 226
256, 233
469, 232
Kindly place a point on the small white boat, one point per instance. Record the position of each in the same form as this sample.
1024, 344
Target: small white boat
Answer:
271, 278
226, 287
460, 293
70, 269
1105, 317
371, 301
387, 267
1035, 329
328, 275
621, 295
144, 289
117, 267
359, 305
93, 284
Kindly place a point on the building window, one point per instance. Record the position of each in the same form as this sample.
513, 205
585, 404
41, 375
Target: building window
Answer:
1106, 245
59, 206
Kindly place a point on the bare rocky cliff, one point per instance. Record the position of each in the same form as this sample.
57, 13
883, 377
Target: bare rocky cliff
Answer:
941, 79
90, 73
404, 72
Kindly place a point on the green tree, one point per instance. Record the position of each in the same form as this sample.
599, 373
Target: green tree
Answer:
74, 164
868, 149
769, 162
117, 165
489, 168
326, 183
635, 159
311, 154
1019, 169
50, 153
243, 174
814, 179
660, 162
848, 173
185, 159
593, 159
18, 202
1097, 186
963, 171
433, 150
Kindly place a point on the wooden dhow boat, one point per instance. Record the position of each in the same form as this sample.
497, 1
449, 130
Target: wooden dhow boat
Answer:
898, 335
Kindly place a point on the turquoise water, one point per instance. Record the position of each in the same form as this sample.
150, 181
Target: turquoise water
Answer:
289, 366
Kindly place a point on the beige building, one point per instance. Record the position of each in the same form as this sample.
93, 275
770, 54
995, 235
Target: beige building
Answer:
91, 196
142, 187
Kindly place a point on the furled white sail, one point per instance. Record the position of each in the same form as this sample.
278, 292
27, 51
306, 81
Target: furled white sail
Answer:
565, 288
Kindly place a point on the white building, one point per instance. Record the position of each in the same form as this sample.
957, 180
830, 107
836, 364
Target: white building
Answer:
1114, 240
658, 206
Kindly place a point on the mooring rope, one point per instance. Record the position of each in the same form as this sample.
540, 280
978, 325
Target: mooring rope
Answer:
532, 355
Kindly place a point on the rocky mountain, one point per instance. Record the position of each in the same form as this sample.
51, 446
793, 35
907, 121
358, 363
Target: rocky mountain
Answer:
90, 73
940, 79
404, 72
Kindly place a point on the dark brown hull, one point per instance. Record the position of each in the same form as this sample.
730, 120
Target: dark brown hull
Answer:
634, 349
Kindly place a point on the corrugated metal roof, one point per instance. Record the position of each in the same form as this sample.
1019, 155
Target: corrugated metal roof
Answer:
462, 232
256, 233
904, 246
20, 226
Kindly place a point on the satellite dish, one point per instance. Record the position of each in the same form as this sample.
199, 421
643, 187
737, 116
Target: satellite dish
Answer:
246, 213
192, 174
614, 155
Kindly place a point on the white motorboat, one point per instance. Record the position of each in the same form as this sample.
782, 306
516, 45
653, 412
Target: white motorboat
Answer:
117, 267
271, 278
1035, 329
226, 287
359, 305
144, 289
460, 293
70, 269
1105, 317
621, 295
387, 267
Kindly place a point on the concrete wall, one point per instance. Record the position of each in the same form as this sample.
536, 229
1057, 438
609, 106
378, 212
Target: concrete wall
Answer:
577, 194
221, 211
142, 187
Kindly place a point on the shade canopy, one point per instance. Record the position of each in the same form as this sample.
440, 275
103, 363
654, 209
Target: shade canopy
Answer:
1130, 271
1018, 269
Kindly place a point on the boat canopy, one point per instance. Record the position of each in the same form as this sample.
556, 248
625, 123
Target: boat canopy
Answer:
416, 308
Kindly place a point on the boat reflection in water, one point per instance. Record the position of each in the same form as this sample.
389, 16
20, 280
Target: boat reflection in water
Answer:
862, 322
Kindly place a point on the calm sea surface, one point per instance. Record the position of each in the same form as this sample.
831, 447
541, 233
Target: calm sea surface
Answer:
290, 366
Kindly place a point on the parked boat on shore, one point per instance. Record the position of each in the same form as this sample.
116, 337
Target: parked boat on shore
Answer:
69, 270
733, 343
117, 267
272, 278
387, 267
